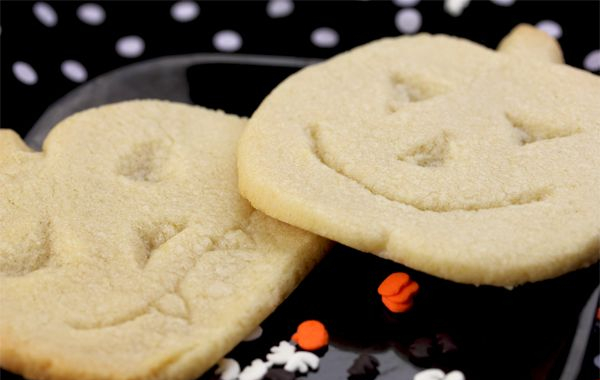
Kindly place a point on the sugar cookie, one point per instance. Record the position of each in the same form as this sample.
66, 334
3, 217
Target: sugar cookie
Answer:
473, 165
126, 251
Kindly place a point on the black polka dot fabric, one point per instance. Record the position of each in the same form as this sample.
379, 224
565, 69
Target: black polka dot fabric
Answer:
49, 48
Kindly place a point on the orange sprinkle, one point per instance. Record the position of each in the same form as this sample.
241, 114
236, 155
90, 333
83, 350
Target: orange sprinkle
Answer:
311, 335
598, 314
393, 284
397, 292
405, 294
396, 307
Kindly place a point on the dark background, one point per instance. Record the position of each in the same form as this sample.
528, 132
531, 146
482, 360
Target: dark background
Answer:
24, 38
528, 331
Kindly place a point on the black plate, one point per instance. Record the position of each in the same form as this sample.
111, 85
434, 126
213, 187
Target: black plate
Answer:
545, 330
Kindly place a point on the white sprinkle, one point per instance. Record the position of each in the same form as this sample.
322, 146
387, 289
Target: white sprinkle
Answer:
229, 369
74, 71
227, 40
255, 371
438, 374
130, 46
301, 361
503, 3
280, 8
430, 374
597, 361
591, 61
281, 354
551, 27
45, 14
254, 335
406, 3
185, 11
408, 21
455, 375
324, 37
91, 14
24, 73
455, 7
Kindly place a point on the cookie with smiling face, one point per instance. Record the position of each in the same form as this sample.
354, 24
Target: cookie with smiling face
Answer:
473, 165
126, 251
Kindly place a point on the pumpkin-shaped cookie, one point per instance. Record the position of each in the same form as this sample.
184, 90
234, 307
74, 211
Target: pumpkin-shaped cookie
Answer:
474, 165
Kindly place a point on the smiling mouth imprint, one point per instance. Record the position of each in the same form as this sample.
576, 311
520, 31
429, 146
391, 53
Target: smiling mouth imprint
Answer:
525, 198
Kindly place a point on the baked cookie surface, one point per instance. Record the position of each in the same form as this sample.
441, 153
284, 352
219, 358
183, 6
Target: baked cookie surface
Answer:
473, 165
126, 251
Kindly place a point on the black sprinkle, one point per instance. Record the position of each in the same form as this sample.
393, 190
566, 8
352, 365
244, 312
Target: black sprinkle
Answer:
447, 351
426, 351
421, 351
365, 367
445, 344
279, 374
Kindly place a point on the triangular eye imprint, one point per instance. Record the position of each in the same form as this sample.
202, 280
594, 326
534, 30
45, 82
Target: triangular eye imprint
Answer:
530, 132
413, 88
147, 162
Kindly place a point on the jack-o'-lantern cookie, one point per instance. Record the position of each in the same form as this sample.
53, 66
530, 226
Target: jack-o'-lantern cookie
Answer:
470, 164
126, 251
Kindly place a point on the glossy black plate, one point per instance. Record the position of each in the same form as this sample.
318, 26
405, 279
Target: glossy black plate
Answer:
546, 330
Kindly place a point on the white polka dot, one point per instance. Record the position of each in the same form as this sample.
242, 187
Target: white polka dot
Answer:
408, 20
185, 11
227, 40
456, 7
503, 3
45, 14
550, 27
324, 37
591, 61
74, 71
406, 3
24, 73
130, 46
280, 8
91, 14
